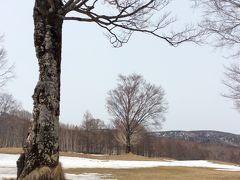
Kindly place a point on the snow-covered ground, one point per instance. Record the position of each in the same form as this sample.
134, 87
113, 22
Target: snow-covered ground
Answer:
8, 165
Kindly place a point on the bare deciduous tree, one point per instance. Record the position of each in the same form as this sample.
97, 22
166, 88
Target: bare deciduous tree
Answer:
221, 28
6, 71
11, 113
135, 104
232, 81
91, 128
8, 104
21, 113
91, 123
221, 23
120, 18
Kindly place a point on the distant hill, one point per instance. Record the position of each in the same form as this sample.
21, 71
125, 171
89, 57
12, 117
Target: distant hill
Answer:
209, 137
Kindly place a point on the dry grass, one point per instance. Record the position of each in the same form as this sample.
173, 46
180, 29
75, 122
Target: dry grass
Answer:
128, 157
221, 162
11, 150
163, 173
132, 157
46, 173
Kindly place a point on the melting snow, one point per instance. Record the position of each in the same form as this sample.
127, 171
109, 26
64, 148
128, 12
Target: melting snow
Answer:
8, 165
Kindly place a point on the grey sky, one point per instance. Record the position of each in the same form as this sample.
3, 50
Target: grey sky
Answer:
191, 75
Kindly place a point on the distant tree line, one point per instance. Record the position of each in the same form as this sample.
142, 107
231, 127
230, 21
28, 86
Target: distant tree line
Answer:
14, 121
93, 136
103, 140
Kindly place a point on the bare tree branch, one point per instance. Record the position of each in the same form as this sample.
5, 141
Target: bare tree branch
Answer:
120, 18
220, 26
232, 82
6, 71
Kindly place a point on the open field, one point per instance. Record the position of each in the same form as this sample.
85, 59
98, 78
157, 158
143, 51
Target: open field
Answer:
129, 157
78, 166
162, 173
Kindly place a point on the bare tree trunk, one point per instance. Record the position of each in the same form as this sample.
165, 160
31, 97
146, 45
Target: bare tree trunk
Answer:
128, 143
41, 148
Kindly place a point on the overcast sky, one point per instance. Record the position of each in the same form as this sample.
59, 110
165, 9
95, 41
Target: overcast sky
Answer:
190, 74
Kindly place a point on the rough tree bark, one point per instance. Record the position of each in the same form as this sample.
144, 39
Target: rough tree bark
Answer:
128, 143
41, 148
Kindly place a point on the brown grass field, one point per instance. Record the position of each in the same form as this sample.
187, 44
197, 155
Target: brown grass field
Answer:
157, 173
129, 157
11, 150
162, 173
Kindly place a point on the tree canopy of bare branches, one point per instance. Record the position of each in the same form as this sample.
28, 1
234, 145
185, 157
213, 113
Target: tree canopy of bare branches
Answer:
120, 18
90, 123
232, 81
6, 71
221, 23
136, 105
8, 104
221, 28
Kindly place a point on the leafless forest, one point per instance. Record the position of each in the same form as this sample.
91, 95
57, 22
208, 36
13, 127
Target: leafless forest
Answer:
93, 136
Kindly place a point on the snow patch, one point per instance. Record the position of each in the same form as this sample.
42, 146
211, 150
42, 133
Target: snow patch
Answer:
88, 176
8, 166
